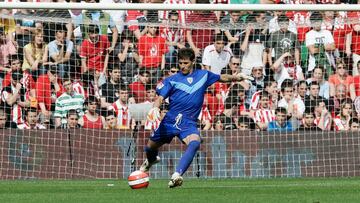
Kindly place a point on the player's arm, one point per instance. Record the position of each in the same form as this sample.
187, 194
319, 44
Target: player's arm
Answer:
231, 78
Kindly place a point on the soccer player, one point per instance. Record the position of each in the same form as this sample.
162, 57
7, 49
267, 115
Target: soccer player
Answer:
185, 91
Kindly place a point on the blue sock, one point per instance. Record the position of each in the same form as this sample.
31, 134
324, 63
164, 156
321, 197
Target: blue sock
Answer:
187, 157
151, 154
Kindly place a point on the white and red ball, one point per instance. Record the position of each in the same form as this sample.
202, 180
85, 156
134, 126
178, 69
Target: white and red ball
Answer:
138, 180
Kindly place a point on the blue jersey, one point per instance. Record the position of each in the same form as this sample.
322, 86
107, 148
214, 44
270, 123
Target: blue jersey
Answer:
186, 92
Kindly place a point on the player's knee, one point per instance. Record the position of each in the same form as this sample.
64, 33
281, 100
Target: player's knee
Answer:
195, 144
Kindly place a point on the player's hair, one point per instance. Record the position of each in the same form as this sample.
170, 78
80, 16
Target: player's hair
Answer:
353, 120
108, 113
220, 37
280, 110
264, 94
113, 66
173, 13
124, 87
287, 83
14, 57
16, 75
91, 99
72, 112
283, 18
186, 53
93, 29
314, 83
316, 16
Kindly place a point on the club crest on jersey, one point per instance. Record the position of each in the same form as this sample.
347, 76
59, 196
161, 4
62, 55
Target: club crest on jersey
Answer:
190, 80
160, 85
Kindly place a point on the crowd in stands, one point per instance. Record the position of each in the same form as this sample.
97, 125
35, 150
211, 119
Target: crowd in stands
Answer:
84, 70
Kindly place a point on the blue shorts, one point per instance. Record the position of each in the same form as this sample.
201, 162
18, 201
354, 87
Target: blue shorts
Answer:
174, 125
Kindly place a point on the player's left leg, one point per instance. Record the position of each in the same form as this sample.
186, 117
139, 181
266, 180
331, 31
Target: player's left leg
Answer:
193, 144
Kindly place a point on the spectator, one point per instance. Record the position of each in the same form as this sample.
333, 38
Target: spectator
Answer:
150, 93
128, 56
199, 38
230, 113
134, 18
233, 31
91, 119
277, 17
341, 121
258, 83
253, 44
67, 101
7, 48
314, 89
320, 43
340, 96
354, 125
354, 87
270, 86
263, 115
36, 55
355, 45
118, 16
174, 36
285, 68
153, 125
72, 119
109, 90
281, 123
103, 21
120, 106
137, 88
8, 23
244, 123
295, 106
60, 50
283, 41
31, 121
216, 56
205, 118
323, 118
182, 14
301, 90
14, 65
219, 122
111, 121
15, 99
318, 76
308, 122
4, 122
94, 52
152, 49
47, 84
340, 77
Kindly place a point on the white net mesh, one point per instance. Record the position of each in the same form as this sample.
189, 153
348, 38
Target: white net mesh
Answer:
69, 76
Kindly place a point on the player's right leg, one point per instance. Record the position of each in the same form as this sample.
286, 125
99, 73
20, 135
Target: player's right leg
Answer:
151, 150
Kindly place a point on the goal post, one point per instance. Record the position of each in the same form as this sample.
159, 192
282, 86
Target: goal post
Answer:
71, 72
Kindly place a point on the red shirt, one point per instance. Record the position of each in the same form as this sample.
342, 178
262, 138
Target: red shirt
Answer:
300, 18
43, 90
202, 37
356, 80
92, 124
95, 52
152, 49
138, 89
132, 19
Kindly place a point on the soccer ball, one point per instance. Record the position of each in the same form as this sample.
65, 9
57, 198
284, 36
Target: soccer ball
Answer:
138, 180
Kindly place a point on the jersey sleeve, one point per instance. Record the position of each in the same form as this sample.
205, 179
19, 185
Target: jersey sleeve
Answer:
163, 88
212, 78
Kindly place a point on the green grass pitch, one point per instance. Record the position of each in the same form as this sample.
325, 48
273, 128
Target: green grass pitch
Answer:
277, 190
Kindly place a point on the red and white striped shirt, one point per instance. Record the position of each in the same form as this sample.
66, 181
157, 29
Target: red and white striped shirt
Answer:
16, 110
26, 126
205, 114
264, 116
173, 35
163, 15
340, 124
122, 113
255, 100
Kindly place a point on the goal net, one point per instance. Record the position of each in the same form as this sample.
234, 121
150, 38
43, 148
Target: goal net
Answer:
77, 82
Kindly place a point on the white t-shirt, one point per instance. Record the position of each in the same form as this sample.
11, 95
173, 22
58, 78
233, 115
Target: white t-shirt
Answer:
298, 104
217, 61
118, 16
314, 37
287, 73
253, 55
